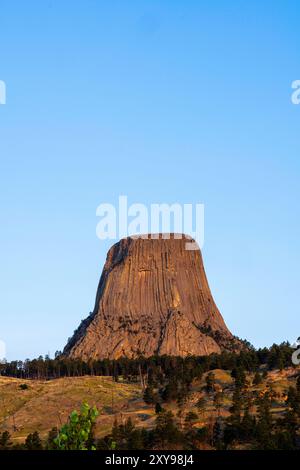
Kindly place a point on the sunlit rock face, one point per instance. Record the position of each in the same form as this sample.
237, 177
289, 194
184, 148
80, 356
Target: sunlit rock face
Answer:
153, 298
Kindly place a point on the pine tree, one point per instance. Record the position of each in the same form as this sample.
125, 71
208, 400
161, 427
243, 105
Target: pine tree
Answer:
248, 424
149, 395
158, 408
5, 442
264, 425
33, 442
218, 434
165, 430
236, 408
218, 401
257, 380
210, 382
201, 403
190, 420
52, 435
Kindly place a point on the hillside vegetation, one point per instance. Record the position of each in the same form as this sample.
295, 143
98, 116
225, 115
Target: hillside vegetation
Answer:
27, 406
226, 401
42, 405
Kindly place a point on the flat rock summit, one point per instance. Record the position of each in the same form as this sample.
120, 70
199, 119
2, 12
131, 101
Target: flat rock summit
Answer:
153, 298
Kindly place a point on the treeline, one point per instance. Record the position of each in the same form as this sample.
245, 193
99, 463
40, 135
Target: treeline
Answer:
148, 369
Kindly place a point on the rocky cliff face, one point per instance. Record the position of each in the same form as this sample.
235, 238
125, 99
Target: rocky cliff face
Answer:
153, 298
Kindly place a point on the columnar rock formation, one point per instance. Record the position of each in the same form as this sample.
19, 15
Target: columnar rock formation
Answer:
153, 298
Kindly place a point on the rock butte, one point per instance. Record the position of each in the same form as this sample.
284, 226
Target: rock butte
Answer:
153, 298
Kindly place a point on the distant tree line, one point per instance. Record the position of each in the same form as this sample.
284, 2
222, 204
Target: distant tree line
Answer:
149, 370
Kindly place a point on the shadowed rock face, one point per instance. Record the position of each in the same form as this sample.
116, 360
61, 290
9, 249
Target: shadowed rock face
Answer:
153, 298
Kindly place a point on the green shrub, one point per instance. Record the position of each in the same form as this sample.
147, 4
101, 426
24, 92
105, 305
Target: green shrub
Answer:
77, 434
24, 387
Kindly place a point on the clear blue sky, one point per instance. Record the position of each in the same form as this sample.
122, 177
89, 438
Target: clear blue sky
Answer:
164, 101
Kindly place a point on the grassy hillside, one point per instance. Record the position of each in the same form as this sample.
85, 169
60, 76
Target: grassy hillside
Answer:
45, 404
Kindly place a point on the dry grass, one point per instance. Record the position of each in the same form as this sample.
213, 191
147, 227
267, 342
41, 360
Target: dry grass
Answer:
48, 403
